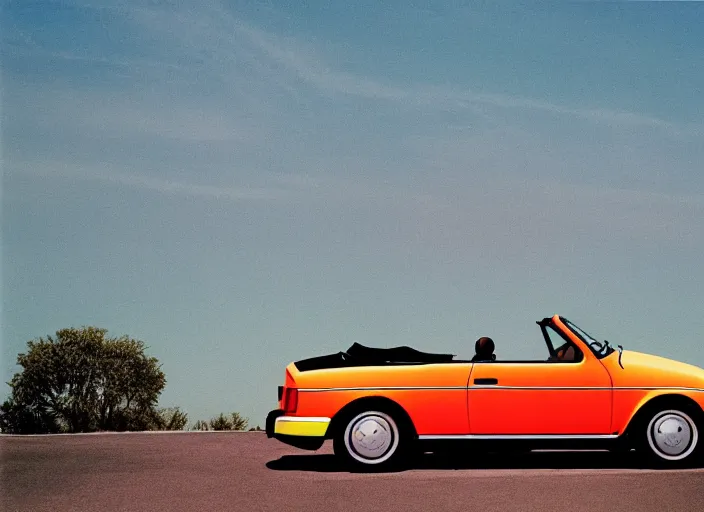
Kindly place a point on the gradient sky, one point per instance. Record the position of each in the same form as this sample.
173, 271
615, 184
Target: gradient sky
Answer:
243, 184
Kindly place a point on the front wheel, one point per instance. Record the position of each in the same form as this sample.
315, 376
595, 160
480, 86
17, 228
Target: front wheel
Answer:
671, 438
370, 440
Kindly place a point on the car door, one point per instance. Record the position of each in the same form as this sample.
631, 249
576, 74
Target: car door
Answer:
540, 398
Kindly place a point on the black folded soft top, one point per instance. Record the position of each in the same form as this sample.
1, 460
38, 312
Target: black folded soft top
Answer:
359, 355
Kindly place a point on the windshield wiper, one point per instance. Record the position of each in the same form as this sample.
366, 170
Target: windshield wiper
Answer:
620, 351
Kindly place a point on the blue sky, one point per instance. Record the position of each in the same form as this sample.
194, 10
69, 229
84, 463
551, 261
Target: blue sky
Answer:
242, 184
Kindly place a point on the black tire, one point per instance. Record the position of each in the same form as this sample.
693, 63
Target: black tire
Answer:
670, 437
372, 440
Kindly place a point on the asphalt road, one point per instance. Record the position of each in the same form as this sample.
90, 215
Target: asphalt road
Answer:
247, 472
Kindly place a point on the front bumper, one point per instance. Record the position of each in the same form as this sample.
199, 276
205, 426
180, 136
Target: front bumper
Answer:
299, 431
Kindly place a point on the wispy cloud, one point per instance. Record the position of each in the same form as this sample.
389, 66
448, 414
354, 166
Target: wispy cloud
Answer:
111, 176
190, 189
210, 30
311, 68
252, 63
446, 216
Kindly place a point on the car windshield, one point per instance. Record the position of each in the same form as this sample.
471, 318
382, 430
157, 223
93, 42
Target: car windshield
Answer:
599, 348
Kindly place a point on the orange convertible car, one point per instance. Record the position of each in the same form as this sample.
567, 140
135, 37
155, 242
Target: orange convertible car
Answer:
381, 405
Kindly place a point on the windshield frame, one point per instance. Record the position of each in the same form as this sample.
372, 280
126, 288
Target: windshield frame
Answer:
589, 340
552, 349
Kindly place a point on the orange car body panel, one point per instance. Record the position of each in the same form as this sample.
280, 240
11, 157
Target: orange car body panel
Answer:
645, 377
591, 397
523, 404
434, 395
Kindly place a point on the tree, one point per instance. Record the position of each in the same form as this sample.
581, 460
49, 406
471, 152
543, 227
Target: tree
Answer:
221, 422
172, 418
235, 421
15, 419
83, 381
239, 422
201, 425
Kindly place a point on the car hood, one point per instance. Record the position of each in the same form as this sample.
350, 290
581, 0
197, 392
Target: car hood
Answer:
640, 369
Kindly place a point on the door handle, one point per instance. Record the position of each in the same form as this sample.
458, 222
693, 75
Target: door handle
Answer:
486, 382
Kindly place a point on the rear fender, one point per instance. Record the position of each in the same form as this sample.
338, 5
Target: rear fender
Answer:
381, 403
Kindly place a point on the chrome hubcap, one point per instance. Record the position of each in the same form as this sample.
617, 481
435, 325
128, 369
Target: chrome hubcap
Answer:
371, 437
672, 435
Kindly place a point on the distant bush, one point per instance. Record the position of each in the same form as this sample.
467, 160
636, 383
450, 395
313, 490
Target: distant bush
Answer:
201, 425
171, 418
233, 421
221, 422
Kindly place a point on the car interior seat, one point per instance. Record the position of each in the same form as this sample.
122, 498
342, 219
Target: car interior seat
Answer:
484, 350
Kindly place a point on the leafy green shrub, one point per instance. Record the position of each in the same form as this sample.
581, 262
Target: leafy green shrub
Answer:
81, 380
172, 418
233, 421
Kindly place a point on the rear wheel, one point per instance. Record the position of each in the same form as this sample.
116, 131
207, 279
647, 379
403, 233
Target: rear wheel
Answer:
372, 440
670, 437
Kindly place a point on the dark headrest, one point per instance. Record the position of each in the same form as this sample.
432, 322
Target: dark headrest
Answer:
484, 346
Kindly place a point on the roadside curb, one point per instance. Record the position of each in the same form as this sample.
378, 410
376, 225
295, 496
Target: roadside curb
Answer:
138, 432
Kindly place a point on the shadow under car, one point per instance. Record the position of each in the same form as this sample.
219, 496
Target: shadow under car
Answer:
481, 461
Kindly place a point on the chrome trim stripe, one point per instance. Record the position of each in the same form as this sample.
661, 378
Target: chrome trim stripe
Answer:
386, 388
518, 436
545, 388
588, 388
302, 419
520, 388
653, 388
